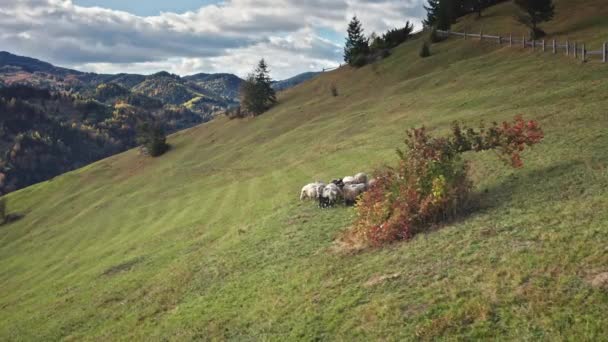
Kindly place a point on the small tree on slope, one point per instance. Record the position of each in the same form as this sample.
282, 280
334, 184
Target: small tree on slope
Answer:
535, 12
151, 136
357, 46
257, 94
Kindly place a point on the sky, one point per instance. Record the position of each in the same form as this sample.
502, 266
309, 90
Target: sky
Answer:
192, 36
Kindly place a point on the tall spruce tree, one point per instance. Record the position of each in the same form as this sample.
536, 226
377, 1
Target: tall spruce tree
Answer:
357, 46
535, 12
257, 94
432, 11
441, 13
447, 14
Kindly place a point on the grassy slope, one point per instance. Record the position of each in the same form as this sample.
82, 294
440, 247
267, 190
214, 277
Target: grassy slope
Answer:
210, 241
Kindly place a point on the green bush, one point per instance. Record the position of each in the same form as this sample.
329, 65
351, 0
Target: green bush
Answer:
425, 51
151, 136
334, 90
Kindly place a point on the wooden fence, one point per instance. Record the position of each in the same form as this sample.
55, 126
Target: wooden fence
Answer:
330, 69
574, 49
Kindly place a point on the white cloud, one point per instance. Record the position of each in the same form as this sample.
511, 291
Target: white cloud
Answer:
227, 37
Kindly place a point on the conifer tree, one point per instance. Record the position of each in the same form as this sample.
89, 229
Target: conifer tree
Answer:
535, 12
441, 13
357, 46
447, 14
257, 94
432, 11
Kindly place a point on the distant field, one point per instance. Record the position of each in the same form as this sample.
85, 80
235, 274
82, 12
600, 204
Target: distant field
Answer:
211, 242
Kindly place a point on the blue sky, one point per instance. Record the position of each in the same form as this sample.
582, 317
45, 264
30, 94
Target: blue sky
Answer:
148, 7
191, 36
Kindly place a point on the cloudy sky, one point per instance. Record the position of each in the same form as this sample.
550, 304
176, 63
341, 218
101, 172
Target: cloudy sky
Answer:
191, 36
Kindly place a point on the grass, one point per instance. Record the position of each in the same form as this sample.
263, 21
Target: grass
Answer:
210, 242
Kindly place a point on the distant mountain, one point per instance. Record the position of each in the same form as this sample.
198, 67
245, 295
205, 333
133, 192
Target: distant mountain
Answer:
56, 119
294, 81
32, 65
224, 85
205, 94
125, 80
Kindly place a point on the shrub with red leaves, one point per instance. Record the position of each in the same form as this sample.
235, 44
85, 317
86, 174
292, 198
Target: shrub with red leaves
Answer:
430, 184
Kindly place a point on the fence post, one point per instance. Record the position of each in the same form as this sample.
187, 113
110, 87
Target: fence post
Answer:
499, 40
584, 53
533, 44
523, 41
480, 35
575, 52
510, 39
554, 50
605, 53
567, 48
544, 49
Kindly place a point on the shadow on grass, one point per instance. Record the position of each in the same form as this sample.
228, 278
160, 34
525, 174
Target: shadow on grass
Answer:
10, 218
530, 186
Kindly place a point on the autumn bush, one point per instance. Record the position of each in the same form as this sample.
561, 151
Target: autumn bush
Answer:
431, 184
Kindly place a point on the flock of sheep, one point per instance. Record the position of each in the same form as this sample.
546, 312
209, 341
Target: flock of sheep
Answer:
348, 189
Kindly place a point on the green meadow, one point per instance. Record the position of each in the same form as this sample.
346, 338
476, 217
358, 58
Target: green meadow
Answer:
211, 242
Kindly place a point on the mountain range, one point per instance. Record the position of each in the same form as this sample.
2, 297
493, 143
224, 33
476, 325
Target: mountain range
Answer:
205, 94
56, 119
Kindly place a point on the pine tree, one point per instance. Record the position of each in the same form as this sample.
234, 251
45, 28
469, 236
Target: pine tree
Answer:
535, 12
441, 13
432, 11
446, 15
357, 46
257, 94
264, 83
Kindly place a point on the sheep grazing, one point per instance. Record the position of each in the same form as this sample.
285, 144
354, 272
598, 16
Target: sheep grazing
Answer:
339, 182
360, 178
351, 192
331, 194
349, 180
348, 189
312, 191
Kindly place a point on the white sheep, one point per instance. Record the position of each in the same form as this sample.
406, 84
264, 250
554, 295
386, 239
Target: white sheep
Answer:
312, 191
352, 191
360, 178
371, 183
331, 194
349, 180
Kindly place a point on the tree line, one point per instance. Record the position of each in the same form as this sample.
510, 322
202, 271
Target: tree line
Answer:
441, 14
360, 50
